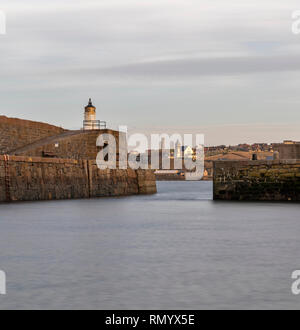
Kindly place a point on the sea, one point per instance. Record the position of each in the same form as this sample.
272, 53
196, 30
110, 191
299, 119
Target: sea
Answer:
177, 249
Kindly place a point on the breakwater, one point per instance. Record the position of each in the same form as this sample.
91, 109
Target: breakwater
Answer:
16, 133
36, 178
277, 180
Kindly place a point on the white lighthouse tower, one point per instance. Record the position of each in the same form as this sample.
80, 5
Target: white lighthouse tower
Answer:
90, 121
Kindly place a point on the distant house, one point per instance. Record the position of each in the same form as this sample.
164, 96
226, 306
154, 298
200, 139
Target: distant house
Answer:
187, 151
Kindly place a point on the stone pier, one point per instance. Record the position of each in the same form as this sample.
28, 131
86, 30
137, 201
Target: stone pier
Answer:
277, 180
35, 178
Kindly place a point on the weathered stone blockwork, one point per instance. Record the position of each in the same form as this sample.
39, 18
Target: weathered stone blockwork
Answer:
45, 179
277, 180
288, 151
76, 145
16, 133
146, 181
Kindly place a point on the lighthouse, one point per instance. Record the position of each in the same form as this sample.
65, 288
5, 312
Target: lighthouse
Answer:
90, 122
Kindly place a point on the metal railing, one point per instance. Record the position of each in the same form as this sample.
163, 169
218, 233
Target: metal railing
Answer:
94, 124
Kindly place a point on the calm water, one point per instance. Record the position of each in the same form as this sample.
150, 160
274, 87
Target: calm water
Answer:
175, 250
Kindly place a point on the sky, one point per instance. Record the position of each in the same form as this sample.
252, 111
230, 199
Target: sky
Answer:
227, 69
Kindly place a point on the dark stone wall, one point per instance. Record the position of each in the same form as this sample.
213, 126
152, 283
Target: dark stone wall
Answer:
16, 133
146, 181
46, 179
288, 151
277, 180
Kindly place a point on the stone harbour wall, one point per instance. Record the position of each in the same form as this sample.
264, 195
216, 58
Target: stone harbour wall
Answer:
34, 178
16, 133
80, 145
276, 180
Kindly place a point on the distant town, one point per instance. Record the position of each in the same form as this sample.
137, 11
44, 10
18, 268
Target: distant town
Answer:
244, 147
288, 149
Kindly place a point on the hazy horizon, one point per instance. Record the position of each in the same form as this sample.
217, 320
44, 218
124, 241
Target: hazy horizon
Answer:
229, 70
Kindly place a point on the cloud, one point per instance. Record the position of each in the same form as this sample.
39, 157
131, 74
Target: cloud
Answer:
205, 66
